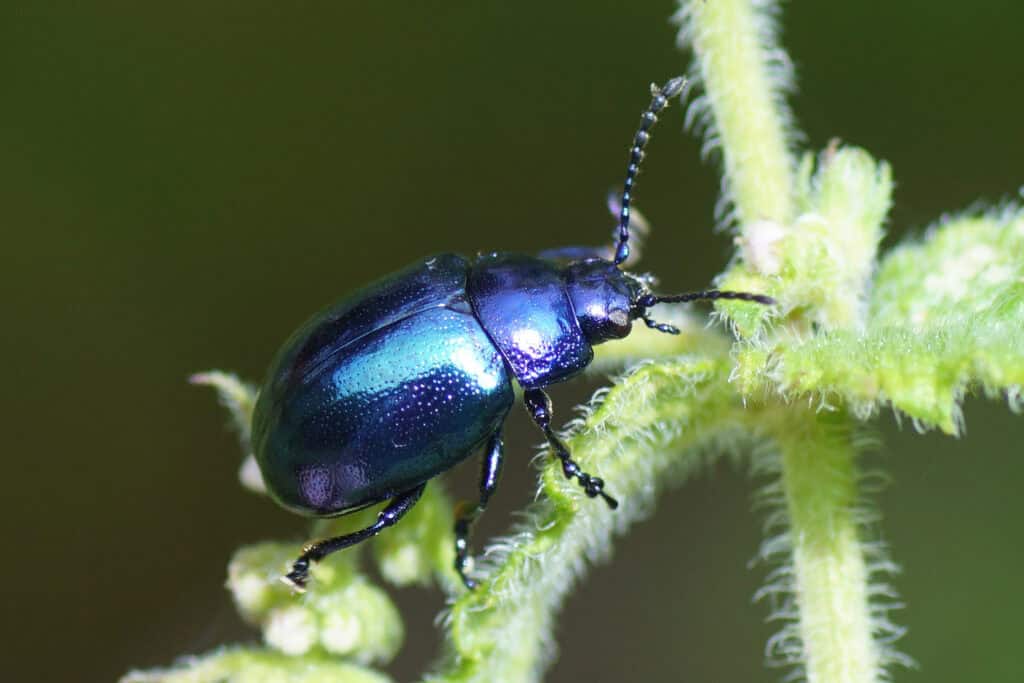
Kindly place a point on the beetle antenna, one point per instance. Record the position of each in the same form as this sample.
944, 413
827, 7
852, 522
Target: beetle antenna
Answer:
660, 100
648, 300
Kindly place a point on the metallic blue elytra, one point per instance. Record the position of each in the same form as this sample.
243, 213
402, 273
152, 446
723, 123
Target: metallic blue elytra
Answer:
405, 378
353, 418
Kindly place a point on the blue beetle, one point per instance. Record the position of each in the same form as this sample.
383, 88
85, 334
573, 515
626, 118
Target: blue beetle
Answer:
405, 378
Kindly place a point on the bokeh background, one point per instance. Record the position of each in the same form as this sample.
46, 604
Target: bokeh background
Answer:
183, 183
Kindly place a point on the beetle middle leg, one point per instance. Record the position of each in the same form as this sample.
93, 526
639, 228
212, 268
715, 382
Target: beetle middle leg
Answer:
468, 513
539, 405
315, 552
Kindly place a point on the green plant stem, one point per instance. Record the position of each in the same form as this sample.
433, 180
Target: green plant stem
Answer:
745, 73
828, 566
654, 423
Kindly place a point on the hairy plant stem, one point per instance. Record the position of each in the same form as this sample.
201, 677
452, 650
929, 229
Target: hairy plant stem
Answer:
829, 572
654, 424
744, 73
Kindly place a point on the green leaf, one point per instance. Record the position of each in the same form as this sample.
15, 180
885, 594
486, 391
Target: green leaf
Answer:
819, 267
341, 613
647, 429
239, 398
946, 317
960, 268
251, 665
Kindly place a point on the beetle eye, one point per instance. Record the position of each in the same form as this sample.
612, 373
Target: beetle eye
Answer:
619, 317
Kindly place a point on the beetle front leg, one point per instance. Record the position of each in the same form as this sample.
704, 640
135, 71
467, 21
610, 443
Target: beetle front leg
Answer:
467, 514
539, 405
315, 552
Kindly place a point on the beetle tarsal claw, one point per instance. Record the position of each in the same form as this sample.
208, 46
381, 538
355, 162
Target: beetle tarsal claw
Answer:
297, 584
298, 576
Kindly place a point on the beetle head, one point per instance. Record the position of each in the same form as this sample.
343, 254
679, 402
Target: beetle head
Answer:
603, 297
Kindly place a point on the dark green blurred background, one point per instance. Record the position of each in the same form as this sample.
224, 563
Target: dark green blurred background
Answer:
183, 183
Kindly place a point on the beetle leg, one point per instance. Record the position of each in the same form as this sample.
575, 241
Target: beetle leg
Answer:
315, 552
466, 514
539, 405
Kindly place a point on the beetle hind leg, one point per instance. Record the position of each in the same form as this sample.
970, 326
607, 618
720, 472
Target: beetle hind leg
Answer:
315, 552
539, 405
468, 513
